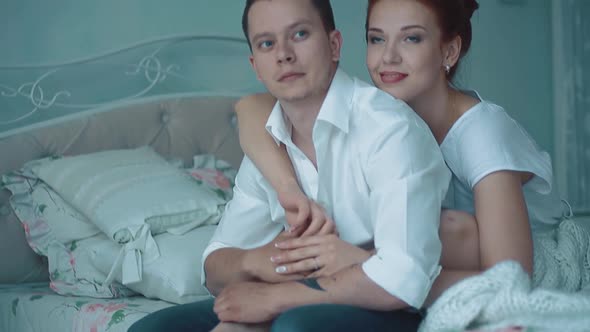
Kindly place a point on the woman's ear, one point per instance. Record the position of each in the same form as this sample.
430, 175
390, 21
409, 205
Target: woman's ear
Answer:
452, 51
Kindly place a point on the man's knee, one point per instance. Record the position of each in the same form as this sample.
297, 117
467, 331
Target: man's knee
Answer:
294, 320
194, 317
149, 323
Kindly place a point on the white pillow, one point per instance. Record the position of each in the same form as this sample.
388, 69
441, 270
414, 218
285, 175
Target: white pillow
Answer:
175, 276
122, 190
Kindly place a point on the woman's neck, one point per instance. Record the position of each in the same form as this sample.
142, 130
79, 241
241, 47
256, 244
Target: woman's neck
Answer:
440, 108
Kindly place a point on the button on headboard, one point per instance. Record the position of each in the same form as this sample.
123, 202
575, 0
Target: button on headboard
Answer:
176, 128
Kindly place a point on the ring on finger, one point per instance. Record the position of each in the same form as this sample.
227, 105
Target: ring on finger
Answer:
316, 266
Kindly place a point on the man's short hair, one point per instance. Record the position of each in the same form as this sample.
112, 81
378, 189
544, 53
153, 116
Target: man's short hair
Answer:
323, 7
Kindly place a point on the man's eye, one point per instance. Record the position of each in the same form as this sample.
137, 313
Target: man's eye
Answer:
265, 44
301, 34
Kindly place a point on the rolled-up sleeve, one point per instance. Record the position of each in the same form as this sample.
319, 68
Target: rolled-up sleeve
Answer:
408, 180
249, 220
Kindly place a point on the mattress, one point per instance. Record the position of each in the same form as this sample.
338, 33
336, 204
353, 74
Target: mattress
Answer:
34, 307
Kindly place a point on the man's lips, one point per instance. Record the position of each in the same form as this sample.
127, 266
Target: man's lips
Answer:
291, 76
392, 76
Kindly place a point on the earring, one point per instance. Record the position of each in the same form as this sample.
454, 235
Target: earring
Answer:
447, 69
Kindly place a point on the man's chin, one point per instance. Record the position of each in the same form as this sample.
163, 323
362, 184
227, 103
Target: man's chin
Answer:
293, 97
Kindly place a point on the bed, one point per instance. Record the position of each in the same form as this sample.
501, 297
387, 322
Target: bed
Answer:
167, 95
169, 102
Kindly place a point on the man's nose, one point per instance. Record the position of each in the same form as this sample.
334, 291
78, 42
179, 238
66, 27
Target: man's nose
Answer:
285, 53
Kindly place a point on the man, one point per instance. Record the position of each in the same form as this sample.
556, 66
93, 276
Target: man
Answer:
369, 159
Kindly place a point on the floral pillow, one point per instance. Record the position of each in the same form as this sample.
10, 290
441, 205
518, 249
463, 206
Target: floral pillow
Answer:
45, 218
54, 229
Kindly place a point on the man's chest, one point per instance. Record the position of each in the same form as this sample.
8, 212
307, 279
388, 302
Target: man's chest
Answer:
338, 185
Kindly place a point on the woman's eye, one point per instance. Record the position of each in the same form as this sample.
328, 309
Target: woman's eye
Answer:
414, 39
376, 40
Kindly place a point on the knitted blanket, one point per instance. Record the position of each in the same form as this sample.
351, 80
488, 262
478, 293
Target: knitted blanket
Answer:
558, 298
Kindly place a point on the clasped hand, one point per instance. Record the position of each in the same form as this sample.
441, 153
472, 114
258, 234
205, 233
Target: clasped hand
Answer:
309, 248
314, 248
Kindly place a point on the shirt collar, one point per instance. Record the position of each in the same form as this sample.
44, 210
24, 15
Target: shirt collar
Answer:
335, 109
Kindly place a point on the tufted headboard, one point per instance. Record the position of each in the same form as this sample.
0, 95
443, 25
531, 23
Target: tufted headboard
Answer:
175, 95
177, 128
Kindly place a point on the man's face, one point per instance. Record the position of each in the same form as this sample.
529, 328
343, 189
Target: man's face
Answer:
292, 53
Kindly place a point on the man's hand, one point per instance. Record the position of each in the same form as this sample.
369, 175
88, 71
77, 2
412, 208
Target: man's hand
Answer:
304, 216
259, 264
247, 302
317, 256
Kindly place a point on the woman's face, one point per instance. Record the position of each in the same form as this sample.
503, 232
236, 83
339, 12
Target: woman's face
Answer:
404, 52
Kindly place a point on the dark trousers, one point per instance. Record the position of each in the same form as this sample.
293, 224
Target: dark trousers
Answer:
199, 317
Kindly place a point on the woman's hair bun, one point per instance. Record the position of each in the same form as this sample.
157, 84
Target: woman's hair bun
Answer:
470, 7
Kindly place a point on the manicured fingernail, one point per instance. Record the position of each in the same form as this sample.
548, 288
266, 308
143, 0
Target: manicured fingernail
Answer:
281, 269
278, 244
273, 259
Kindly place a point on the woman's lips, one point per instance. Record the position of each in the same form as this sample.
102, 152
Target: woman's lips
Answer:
392, 77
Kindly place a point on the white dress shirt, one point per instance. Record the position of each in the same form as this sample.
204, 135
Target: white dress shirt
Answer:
380, 175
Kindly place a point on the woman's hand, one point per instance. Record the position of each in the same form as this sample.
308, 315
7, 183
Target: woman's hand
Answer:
317, 255
304, 216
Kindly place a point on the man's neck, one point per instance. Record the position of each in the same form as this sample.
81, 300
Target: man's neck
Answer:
302, 116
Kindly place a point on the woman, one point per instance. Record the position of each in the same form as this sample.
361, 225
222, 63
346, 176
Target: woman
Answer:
501, 180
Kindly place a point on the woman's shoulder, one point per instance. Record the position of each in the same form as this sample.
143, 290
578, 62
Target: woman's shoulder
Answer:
486, 139
482, 120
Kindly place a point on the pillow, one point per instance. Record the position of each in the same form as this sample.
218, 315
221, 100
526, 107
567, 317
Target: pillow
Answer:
50, 224
122, 190
72, 273
132, 195
175, 276
32, 198
18, 263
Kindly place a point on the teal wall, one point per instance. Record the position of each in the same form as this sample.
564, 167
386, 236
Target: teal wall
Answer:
510, 62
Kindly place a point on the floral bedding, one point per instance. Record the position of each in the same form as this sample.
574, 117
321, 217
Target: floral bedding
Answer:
36, 308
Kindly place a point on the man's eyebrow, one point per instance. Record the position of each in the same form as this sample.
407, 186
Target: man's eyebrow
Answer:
260, 36
289, 27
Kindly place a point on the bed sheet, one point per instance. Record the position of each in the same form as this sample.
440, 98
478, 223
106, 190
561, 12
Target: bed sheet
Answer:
34, 307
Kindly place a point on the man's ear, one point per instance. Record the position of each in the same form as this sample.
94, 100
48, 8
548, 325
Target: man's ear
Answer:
335, 44
253, 64
451, 51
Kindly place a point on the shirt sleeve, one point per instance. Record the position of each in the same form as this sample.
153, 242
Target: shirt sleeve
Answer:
408, 180
489, 140
249, 220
